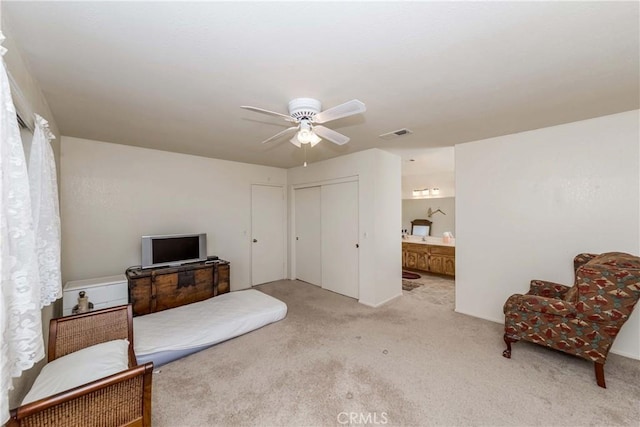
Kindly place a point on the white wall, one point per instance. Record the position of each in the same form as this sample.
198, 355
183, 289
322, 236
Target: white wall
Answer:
427, 168
387, 211
444, 181
112, 194
417, 209
527, 203
379, 184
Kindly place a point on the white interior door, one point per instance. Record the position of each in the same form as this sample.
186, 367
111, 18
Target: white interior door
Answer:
308, 235
340, 238
267, 234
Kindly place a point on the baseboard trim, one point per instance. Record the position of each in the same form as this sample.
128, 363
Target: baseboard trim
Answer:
625, 354
381, 303
618, 352
480, 317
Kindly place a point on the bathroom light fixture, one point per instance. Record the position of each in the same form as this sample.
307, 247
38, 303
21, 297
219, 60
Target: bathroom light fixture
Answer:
417, 193
435, 191
425, 192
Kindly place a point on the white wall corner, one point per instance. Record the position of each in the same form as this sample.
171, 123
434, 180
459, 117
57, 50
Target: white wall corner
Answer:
527, 203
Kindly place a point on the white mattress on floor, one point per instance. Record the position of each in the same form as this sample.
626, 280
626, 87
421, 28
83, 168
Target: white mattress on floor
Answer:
205, 323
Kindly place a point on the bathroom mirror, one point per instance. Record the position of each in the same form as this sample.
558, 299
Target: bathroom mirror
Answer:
421, 227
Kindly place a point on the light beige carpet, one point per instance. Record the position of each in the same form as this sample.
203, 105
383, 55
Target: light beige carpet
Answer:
412, 362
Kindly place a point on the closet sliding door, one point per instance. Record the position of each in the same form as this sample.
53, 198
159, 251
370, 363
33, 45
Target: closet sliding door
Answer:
339, 209
308, 238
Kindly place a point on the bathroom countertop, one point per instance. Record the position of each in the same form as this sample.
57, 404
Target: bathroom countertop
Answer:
429, 240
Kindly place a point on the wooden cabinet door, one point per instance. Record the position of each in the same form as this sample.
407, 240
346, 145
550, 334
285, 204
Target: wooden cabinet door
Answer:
414, 256
436, 264
443, 260
449, 266
411, 259
422, 261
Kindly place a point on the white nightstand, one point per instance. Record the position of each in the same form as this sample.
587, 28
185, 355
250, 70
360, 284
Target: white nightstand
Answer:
103, 292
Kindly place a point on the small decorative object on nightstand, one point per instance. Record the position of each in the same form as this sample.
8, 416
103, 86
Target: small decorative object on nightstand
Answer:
83, 304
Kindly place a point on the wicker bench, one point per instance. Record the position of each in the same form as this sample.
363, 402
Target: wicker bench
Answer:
121, 399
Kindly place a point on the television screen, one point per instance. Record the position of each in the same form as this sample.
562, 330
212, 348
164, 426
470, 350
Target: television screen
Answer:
174, 249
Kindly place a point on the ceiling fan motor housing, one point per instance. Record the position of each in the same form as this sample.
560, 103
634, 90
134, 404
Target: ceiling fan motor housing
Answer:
304, 108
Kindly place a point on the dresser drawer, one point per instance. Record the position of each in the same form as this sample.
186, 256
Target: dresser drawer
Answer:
414, 247
443, 250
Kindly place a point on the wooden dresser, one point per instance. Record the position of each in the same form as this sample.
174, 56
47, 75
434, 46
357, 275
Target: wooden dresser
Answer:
157, 289
431, 258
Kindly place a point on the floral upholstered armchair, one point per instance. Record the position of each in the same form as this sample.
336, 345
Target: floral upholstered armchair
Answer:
582, 320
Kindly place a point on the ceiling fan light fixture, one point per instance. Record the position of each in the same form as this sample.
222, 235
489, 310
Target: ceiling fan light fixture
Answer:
314, 139
308, 137
305, 136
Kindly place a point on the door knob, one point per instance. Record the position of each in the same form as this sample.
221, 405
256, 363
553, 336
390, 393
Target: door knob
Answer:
255, 240
357, 245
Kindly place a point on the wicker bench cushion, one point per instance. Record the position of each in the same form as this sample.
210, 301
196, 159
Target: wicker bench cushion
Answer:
80, 367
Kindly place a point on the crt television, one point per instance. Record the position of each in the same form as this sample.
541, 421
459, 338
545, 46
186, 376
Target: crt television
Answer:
173, 249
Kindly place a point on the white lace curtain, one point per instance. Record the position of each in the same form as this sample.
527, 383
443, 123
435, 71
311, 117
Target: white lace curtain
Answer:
22, 294
46, 213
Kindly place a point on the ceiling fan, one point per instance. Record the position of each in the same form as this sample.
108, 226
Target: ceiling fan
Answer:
307, 115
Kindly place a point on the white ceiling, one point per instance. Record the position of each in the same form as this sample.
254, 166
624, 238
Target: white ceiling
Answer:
173, 75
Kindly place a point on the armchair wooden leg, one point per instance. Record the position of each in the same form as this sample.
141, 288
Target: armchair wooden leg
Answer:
600, 374
508, 340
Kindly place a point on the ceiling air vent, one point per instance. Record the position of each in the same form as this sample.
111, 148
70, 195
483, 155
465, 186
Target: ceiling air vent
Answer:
396, 133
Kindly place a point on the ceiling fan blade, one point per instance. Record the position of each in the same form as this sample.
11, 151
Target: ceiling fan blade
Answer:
339, 111
331, 135
279, 134
271, 113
